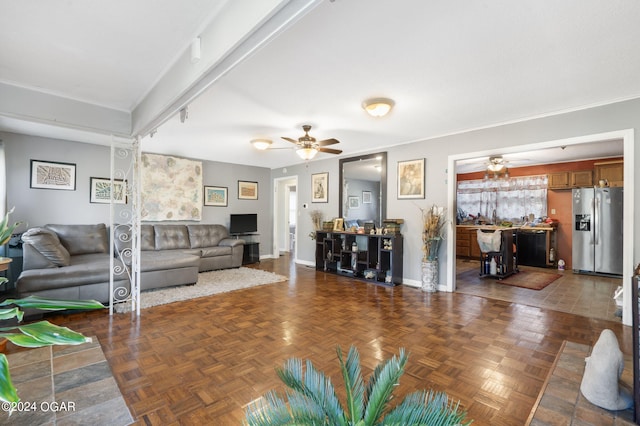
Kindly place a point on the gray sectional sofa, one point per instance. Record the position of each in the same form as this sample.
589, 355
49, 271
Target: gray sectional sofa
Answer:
73, 261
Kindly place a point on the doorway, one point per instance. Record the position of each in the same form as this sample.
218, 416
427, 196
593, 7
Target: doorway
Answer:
628, 153
285, 216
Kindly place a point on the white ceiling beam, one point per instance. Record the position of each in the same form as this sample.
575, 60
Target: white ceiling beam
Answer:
19, 103
234, 34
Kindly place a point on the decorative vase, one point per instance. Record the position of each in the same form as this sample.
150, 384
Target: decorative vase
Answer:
430, 276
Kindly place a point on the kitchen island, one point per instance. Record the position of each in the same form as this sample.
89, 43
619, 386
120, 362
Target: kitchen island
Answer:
533, 243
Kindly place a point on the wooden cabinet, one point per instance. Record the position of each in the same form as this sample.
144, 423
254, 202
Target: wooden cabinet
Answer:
610, 171
474, 248
558, 180
568, 180
581, 178
462, 242
467, 242
374, 258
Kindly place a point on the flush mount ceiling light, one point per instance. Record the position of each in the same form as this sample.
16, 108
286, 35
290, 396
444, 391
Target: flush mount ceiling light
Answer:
261, 144
378, 107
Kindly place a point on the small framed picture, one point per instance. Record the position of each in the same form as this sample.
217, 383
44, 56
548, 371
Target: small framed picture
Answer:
247, 190
320, 188
366, 197
354, 202
53, 175
338, 225
100, 191
411, 179
215, 196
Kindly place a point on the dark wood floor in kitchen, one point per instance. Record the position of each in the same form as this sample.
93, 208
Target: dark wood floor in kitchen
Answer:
202, 361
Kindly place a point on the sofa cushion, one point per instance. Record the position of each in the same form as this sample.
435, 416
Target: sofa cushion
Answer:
84, 269
216, 251
161, 261
206, 235
48, 244
169, 237
82, 239
122, 237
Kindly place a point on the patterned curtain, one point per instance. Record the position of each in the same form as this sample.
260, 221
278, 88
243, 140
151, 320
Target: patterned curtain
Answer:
512, 199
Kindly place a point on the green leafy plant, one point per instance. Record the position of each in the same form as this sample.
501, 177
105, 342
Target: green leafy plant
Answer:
6, 229
312, 399
38, 334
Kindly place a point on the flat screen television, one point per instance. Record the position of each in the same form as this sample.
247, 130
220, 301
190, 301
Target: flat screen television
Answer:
243, 223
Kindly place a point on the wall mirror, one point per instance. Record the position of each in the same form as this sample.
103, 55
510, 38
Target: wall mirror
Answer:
363, 189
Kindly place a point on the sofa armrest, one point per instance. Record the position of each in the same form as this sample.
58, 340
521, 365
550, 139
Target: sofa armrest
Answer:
33, 259
231, 242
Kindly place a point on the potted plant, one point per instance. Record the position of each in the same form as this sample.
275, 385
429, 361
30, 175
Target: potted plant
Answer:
6, 231
316, 219
312, 399
36, 335
432, 235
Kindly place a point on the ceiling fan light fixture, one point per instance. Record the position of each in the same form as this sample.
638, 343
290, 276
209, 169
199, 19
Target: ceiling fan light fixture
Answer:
261, 144
496, 164
306, 153
378, 107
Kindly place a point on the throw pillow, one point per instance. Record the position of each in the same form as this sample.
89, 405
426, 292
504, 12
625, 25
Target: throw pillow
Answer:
600, 382
48, 244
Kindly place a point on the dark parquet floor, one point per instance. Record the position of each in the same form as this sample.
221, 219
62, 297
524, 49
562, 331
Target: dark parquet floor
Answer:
202, 361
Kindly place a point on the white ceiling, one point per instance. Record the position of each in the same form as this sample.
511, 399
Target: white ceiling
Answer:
450, 66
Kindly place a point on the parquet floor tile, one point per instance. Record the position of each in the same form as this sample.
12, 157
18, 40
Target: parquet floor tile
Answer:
204, 360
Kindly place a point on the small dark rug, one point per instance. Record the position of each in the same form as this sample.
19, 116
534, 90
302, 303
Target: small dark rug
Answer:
532, 280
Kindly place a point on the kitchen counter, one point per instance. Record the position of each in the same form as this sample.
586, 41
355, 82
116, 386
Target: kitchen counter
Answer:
532, 248
542, 227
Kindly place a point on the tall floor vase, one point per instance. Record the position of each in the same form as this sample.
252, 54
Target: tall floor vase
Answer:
430, 276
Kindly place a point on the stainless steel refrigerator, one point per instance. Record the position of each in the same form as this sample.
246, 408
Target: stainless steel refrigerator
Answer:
597, 230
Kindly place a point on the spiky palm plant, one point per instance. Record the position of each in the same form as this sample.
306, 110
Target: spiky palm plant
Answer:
312, 399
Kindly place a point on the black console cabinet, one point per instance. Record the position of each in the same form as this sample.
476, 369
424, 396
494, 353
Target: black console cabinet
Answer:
251, 253
375, 258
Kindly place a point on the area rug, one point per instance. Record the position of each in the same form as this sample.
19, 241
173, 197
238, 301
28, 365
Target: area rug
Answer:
209, 283
525, 279
530, 279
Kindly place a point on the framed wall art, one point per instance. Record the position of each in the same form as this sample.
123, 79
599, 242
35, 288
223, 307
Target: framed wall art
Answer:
320, 188
100, 191
411, 179
366, 197
53, 175
354, 202
216, 196
171, 188
247, 190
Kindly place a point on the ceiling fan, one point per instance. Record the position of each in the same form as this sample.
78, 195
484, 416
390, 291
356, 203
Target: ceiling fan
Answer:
308, 147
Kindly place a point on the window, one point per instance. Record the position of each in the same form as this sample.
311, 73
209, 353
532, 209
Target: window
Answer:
512, 199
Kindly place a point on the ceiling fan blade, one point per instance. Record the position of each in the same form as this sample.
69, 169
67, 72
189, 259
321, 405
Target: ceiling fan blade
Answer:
330, 150
328, 142
289, 139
